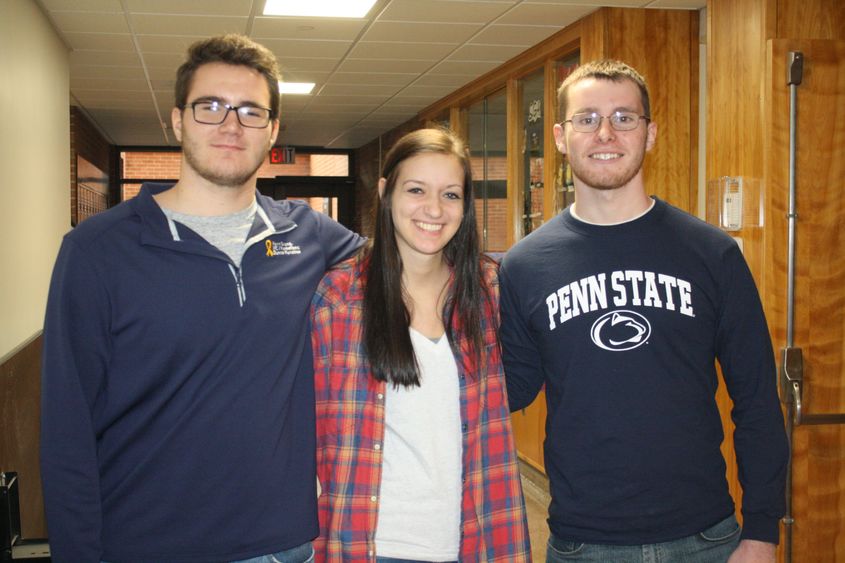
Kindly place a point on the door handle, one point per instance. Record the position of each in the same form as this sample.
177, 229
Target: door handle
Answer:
792, 388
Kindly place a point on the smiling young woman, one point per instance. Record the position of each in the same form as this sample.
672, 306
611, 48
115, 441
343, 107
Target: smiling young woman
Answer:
415, 451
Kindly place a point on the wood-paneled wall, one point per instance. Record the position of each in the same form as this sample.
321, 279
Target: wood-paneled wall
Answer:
747, 132
20, 410
818, 494
663, 46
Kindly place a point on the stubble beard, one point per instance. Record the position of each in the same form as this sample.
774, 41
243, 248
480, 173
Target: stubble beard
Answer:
224, 178
606, 181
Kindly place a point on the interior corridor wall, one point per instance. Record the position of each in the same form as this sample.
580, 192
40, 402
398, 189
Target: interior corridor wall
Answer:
34, 166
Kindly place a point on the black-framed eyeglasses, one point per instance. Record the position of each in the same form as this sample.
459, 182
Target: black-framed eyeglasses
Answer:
590, 121
212, 112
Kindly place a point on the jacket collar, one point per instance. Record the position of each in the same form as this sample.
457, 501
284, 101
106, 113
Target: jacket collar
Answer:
270, 217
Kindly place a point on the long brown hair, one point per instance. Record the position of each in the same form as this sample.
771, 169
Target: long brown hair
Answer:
386, 316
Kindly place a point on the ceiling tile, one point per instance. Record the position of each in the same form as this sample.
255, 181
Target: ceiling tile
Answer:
100, 41
177, 44
316, 77
475, 68
158, 73
403, 50
116, 97
168, 84
598, 3
453, 81
295, 103
427, 91
89, 22
311, 49
383, 65
306, 28
364, 89
318, 107
372, 78
114, 58
371, 101
337, 122
115, 84
305, 64
84, 72
443, 11
208, 7
203, 26
125, 117
394, 112
108, 103
556, 14
83, 5
451, 33
492, 53
403, 104
164, 99
522, 35
172, 60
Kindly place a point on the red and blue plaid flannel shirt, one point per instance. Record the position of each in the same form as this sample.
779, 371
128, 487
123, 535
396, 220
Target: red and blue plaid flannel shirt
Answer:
350, 432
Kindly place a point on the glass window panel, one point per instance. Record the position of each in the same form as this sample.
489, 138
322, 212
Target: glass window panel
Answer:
533, 135
564, 193
487, 134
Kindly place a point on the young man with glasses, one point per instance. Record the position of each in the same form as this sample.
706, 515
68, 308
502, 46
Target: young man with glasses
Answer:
178, 406
621, 306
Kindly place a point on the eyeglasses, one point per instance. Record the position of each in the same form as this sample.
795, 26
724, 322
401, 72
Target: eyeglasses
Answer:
215, 113
589, 122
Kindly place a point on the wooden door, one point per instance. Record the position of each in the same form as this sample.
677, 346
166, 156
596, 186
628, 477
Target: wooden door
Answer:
818, 459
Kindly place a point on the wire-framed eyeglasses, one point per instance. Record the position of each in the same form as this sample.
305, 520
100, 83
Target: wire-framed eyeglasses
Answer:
590, 121
212, 112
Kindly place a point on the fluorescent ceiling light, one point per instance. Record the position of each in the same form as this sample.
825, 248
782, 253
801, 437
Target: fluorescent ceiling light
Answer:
295, 87
319, 8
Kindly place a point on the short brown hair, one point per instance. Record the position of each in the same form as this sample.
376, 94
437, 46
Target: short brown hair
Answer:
605, 69
231, 49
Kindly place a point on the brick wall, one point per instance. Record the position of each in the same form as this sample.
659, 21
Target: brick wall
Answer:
329, 165
86, 141
148, 165
163, 165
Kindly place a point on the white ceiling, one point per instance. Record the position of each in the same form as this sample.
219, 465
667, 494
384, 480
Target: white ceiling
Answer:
371, 73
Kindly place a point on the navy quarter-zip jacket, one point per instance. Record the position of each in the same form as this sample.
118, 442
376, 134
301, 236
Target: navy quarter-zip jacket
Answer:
177, 396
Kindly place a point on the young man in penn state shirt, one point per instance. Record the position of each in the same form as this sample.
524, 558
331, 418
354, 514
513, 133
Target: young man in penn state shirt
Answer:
621, 305
178, 394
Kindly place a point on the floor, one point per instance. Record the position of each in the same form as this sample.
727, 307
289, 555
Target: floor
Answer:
535, 487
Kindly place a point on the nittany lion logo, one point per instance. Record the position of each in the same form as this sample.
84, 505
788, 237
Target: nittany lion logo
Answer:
618, 331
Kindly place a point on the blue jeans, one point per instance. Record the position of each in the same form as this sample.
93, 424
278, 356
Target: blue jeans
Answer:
301, 554
713, 545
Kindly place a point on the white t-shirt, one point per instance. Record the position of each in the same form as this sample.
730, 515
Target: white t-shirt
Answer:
419, 515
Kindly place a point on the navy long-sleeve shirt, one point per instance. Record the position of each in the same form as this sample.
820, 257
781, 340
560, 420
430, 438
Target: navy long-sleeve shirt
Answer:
624, 324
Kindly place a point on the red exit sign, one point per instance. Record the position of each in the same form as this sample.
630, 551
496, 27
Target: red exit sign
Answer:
282, 155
